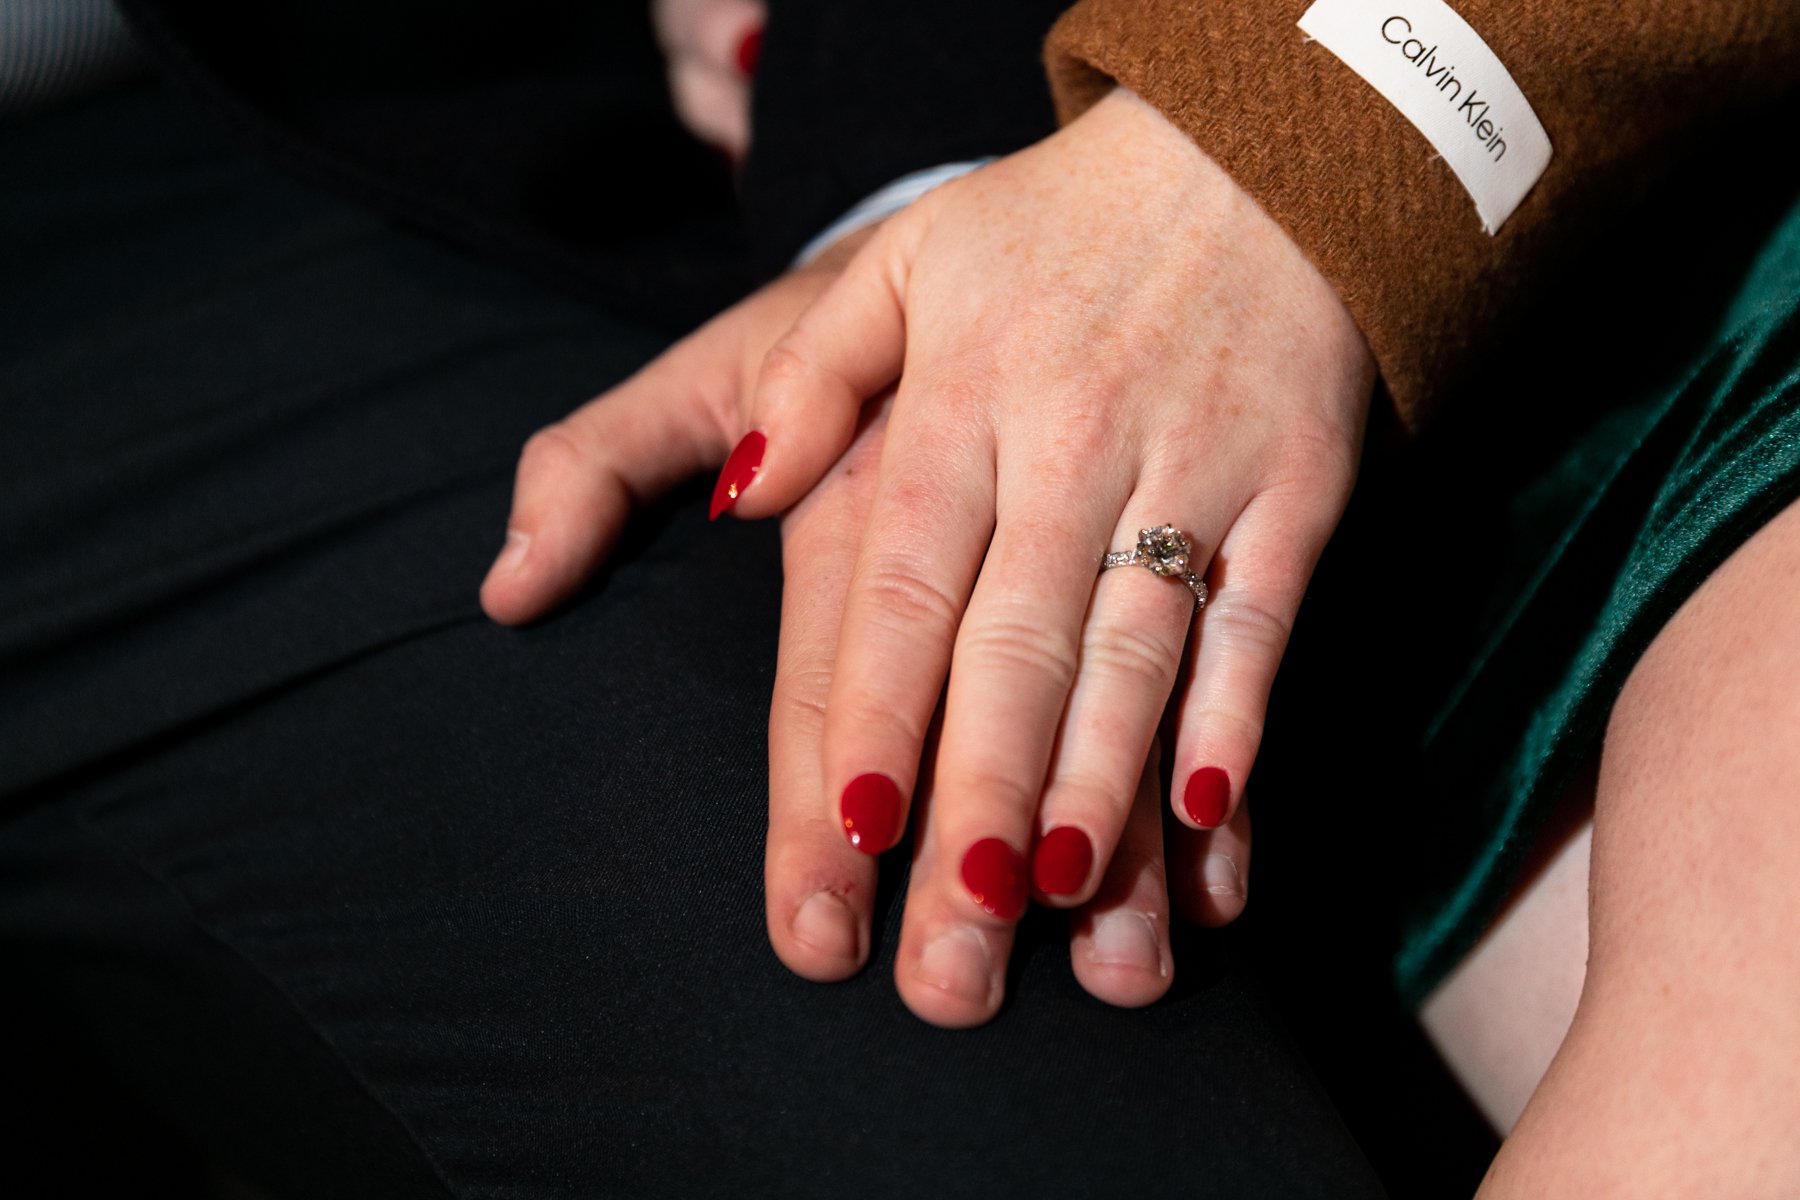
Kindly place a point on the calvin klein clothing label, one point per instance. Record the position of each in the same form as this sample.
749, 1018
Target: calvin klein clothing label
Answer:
1442, 77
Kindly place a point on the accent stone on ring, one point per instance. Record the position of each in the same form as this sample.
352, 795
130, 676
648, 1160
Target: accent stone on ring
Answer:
1164, 551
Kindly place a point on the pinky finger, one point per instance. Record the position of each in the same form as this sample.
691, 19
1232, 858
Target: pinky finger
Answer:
1258, 581
1120, 950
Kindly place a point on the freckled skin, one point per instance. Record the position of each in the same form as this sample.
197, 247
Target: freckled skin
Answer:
1095, 335
1099, 309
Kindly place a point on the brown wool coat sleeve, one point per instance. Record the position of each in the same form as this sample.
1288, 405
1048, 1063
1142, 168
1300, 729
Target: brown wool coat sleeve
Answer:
1618, 86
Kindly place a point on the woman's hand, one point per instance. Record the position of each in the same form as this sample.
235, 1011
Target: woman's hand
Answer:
577, 480
818, 891
1096, 335
1101, 333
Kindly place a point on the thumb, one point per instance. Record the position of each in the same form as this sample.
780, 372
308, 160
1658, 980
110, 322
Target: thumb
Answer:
845, 347
578, 478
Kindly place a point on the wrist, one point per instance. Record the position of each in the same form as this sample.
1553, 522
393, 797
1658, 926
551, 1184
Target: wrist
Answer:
1185, 189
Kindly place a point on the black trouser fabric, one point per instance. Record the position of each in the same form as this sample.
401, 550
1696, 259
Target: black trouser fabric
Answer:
369, 896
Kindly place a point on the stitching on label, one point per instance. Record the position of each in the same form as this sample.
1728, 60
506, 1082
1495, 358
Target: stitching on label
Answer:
1442, 77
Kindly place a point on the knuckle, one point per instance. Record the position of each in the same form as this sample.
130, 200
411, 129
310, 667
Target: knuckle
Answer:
1024, 541
1012, 642
551, 450
914, 504
811, 830
1085, 431
798, 706
1095, 795
790, 368
1246, 624
1133, 655
874, 719
1189, 429
993, 789
1174, 451
1316, 453
785, 366
1085, 475
908, 602
1229, 727
963, 384
1288, 570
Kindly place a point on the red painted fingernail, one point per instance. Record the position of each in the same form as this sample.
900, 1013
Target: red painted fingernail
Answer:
749, 50
1206, 796
1060, 863
740, 469
871, 811
994, 873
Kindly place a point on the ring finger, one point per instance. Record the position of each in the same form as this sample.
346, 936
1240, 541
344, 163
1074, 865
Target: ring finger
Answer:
1131, 647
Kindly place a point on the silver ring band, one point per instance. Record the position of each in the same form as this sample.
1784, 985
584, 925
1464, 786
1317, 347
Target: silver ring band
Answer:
1164, 551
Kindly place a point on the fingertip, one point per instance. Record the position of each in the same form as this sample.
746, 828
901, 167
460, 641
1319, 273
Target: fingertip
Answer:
1205, 798
1125, 987
749, 51
952, 982
872, 812
804, 423
505, 596
741, 469
569, 503
1122, 957
1062, 863
1223, 890
945, 1010
843, 350
533, 574
821, 938
817, 896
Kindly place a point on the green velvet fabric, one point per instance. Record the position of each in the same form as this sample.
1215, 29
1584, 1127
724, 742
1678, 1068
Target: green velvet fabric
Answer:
1615, 531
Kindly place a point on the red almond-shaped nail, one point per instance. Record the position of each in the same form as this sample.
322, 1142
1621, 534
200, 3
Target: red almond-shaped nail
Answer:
1206, 796
745, 461
749, 51
871, 811
1060, 863
994, 873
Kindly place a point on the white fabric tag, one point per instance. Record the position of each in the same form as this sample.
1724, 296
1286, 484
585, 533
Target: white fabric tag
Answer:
1443, 78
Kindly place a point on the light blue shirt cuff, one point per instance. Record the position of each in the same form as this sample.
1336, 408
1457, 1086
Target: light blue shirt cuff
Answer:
880, 205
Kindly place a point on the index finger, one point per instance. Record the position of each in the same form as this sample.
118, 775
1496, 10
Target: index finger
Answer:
818, 889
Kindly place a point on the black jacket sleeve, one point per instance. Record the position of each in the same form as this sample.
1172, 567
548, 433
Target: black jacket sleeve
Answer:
541, 131
850, 95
